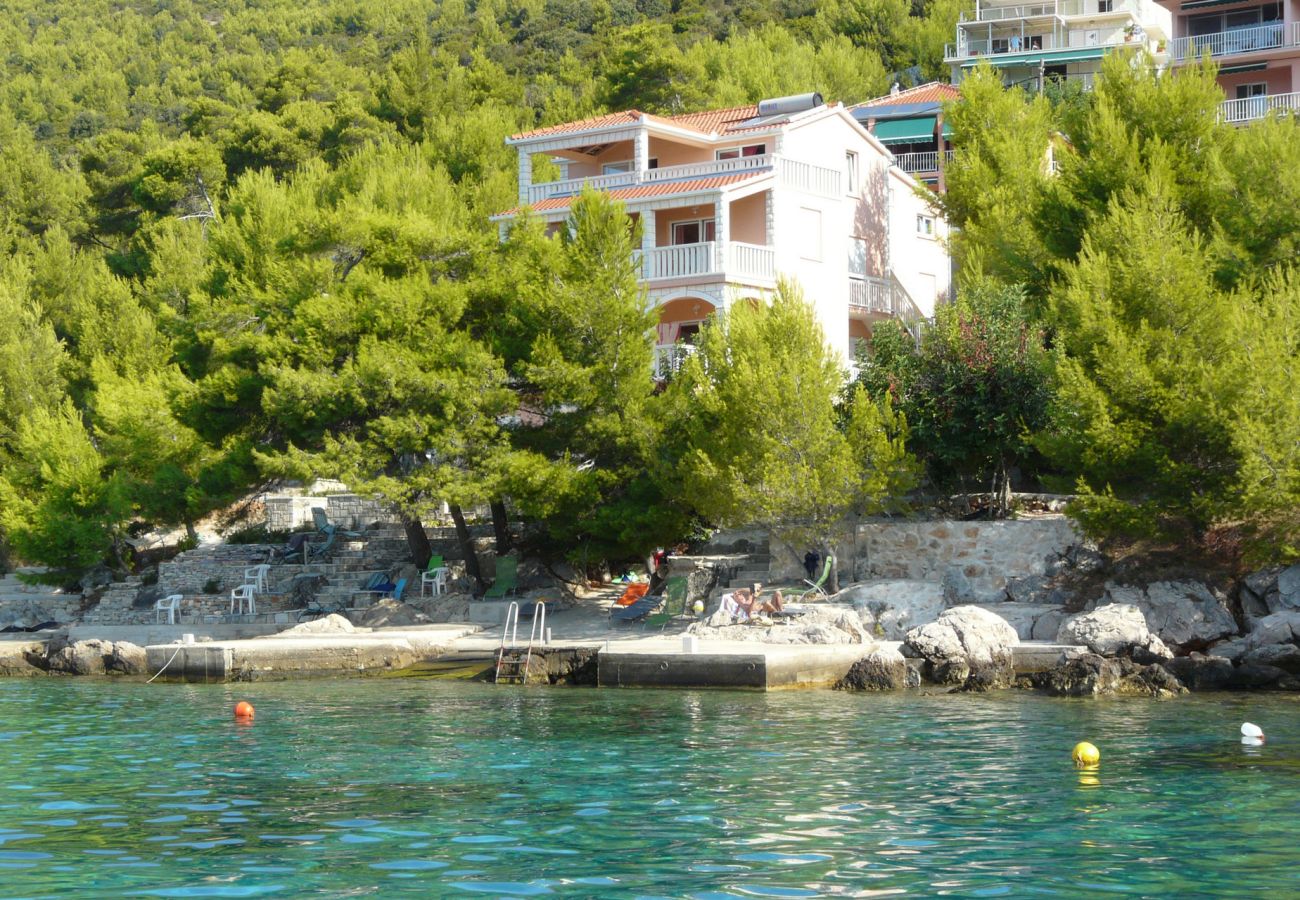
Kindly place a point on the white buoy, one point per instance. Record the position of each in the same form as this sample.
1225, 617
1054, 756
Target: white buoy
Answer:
1251, 734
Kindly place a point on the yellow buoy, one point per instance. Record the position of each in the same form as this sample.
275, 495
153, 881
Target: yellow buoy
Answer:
1085, 754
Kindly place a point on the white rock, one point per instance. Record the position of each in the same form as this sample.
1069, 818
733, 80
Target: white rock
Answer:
964, 632
1276, 628
892, 607
331, 624
1107, 630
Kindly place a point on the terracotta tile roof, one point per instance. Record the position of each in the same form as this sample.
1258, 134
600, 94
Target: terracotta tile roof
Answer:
654, 189
711, 121
627, 117
933, 92
715, 121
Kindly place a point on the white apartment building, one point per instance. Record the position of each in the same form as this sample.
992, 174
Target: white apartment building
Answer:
1033, 43
731, 199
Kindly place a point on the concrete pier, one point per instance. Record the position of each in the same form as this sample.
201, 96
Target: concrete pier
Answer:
725, 664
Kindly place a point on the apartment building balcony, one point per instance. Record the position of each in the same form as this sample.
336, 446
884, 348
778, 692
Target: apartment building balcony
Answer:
1270, 36
1249, 109
922, 163
669, 358
872, 297
792, 173
709, 261
1060, 9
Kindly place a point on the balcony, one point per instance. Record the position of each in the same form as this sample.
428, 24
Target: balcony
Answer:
720, 259
669, 358
571, 186
883, 296
792, 173
1239, 40
1060, 8
919, 163
1249, 109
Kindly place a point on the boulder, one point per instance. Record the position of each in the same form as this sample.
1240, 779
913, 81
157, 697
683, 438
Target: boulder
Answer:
883, 669
957, 590
1083, 675
819, 624
388, 613
965, 643
1148, 681
22, 658
889, 608
1255, 590
127, 659
1250, 676
1288, 591
81, 658
1281, 656
1186, 614
1108, 630
1048, 625
1029, 589
1275, 628
1232, 650
331, 624
1153, 651
1202, 673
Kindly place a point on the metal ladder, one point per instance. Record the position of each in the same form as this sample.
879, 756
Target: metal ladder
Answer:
514, 668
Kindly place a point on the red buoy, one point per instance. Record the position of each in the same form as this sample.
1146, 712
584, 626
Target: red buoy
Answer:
244, 710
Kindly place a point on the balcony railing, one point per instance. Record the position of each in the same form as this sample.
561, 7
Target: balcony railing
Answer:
669, 359
1001, 13
1239, 40
886, 296
570, 186
1249, 109
925, 161
729, 259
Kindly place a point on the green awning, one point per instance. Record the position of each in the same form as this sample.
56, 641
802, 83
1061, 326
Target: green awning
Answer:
1249, 67
903, 131
947, 130
1205, 4
1048, 57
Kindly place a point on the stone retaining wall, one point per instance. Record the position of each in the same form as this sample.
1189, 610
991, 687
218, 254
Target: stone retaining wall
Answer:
987, 554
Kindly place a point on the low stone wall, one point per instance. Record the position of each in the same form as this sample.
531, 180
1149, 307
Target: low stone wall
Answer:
986, 554
288, 513
356, 511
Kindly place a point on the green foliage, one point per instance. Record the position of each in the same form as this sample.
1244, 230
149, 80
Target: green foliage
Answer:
1160, 261
756, 407
974, 391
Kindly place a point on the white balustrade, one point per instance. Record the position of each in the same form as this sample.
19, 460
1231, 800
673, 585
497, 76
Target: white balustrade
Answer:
869, 294
804, 176
1239, 40
572, 186
1248, 109
706, 169
679, 261
751, 261
913, 163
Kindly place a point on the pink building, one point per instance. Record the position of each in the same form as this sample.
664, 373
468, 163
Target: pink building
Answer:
731, 199
1257, 47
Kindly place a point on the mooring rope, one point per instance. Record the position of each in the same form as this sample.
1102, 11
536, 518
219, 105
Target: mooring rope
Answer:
179, 647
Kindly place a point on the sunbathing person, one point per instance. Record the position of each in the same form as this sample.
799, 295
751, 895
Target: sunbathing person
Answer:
758, 605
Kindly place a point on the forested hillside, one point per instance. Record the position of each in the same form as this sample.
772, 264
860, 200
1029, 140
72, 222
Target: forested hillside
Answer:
250, 238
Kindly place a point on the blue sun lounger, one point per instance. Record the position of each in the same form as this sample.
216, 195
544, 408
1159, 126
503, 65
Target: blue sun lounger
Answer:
637, 611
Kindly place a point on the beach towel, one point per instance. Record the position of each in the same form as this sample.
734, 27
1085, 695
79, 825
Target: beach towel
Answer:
633, 593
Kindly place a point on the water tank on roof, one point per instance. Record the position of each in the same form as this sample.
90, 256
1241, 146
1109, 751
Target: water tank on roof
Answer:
783, 106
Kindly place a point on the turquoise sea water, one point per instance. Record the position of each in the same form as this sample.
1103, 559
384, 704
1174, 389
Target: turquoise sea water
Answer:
425, 788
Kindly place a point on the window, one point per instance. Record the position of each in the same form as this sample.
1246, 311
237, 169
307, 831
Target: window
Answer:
925, 226
653, 163
851, 169
1257, 89
687, 332
615, 168
694, 232
810, 233
1105, 6
857, 257
738, 152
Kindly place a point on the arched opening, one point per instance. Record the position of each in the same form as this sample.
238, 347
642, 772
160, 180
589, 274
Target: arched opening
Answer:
680, 321
859, 337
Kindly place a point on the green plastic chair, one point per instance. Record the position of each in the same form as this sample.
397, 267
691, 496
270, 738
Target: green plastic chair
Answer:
818, 588
507, 581
674, 603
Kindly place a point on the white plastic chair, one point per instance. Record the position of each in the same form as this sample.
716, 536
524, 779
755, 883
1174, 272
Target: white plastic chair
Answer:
258, 576
243, 598
437, 580
171, 604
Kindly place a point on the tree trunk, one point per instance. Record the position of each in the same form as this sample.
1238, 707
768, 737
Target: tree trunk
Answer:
417, 541
1001, 491
501, 527
467, 547
191, 532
